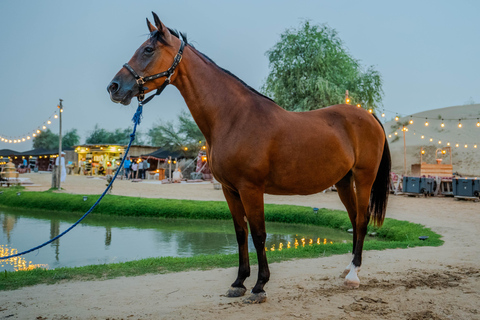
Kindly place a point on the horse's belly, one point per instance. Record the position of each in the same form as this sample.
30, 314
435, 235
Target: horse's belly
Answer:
299, 187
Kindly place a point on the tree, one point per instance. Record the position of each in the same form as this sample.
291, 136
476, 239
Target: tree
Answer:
311, 69
175, 137
49, 140
103, 136
46, 140
70, 139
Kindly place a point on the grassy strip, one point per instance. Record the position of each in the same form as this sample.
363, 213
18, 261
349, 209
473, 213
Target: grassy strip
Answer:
400, 234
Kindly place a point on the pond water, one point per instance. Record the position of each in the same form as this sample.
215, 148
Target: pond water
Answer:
103, 239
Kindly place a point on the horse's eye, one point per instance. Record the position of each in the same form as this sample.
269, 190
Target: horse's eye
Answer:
149, 50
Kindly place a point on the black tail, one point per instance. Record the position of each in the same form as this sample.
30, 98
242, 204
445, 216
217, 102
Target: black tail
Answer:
381, 187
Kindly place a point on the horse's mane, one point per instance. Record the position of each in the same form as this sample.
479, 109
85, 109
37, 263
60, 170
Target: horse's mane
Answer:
158, 36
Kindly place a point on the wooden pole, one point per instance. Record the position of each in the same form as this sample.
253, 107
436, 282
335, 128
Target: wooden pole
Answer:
59, 169
170, 168
404, 154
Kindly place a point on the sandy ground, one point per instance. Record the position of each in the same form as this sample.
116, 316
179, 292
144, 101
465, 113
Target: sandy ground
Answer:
416, 283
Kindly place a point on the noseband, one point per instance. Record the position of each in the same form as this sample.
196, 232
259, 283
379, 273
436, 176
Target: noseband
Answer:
169, 73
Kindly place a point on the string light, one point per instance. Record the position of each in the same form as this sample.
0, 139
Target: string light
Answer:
459, 123
443, 124
426, 122
396, 118
411, 120
28, 136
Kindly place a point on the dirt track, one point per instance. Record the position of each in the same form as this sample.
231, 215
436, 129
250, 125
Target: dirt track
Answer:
416, 283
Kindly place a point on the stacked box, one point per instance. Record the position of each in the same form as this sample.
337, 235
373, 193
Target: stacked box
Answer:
418, 185
466, 187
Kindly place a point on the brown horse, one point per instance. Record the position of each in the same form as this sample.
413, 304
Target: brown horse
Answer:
256, 147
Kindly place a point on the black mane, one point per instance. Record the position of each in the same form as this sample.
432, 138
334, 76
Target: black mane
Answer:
158, 36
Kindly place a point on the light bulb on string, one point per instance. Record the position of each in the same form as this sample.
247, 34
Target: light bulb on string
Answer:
475, 146
456, 145
478, 123
396, 118
426, 122
49, 122
459, 123
383, 115
443, 124
466, 146
423, 137
411, 120
439, 142
448, 143
55, 116
431, 139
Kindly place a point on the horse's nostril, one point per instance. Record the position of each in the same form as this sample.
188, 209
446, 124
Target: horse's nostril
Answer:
113, 87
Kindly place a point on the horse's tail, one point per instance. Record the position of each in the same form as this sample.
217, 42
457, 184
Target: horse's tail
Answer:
381, 187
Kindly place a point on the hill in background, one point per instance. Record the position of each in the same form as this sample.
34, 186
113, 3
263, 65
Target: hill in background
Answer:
464, 141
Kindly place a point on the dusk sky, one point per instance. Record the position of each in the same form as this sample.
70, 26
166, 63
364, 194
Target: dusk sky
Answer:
426, 51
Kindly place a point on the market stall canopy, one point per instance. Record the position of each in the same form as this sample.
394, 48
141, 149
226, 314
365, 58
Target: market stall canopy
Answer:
163, 153
39, 152
8, 152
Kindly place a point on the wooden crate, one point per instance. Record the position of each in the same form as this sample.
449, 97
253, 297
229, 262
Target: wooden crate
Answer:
436, 170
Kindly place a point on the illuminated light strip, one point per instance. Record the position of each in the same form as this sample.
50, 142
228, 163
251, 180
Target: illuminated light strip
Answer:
26, 137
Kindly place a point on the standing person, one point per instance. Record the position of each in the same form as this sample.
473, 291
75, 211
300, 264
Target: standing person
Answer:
60, 162
134, 169
25, 165
126, 167
140, 169
146, 167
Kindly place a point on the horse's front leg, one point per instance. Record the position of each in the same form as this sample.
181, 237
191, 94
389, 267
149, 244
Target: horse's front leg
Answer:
239, 220
252, 200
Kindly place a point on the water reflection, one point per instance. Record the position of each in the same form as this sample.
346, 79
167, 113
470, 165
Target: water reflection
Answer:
106, 239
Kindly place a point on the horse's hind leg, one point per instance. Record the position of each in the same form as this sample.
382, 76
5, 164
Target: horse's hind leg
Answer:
252, 199
241, 229
346, 192
363, 184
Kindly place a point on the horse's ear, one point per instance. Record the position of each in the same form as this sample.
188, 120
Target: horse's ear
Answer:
161, 27
150, 26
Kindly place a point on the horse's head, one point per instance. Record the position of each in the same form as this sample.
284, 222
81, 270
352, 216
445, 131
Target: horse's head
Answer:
153, 57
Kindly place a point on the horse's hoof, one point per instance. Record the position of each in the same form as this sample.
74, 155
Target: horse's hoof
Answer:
256, 298
234, 292
352, 284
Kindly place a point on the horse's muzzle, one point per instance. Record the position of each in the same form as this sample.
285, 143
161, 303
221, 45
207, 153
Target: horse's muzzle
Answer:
119, 96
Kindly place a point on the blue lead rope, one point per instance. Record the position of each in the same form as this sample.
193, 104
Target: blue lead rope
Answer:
136, 121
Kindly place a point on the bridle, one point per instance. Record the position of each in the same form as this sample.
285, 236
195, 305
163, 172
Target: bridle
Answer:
169, 73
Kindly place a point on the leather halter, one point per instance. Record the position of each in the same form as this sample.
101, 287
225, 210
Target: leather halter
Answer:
169, 73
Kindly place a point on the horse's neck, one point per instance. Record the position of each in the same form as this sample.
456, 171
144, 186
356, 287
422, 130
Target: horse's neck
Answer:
210, 93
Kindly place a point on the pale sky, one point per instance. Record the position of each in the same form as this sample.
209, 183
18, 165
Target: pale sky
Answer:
426, 51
